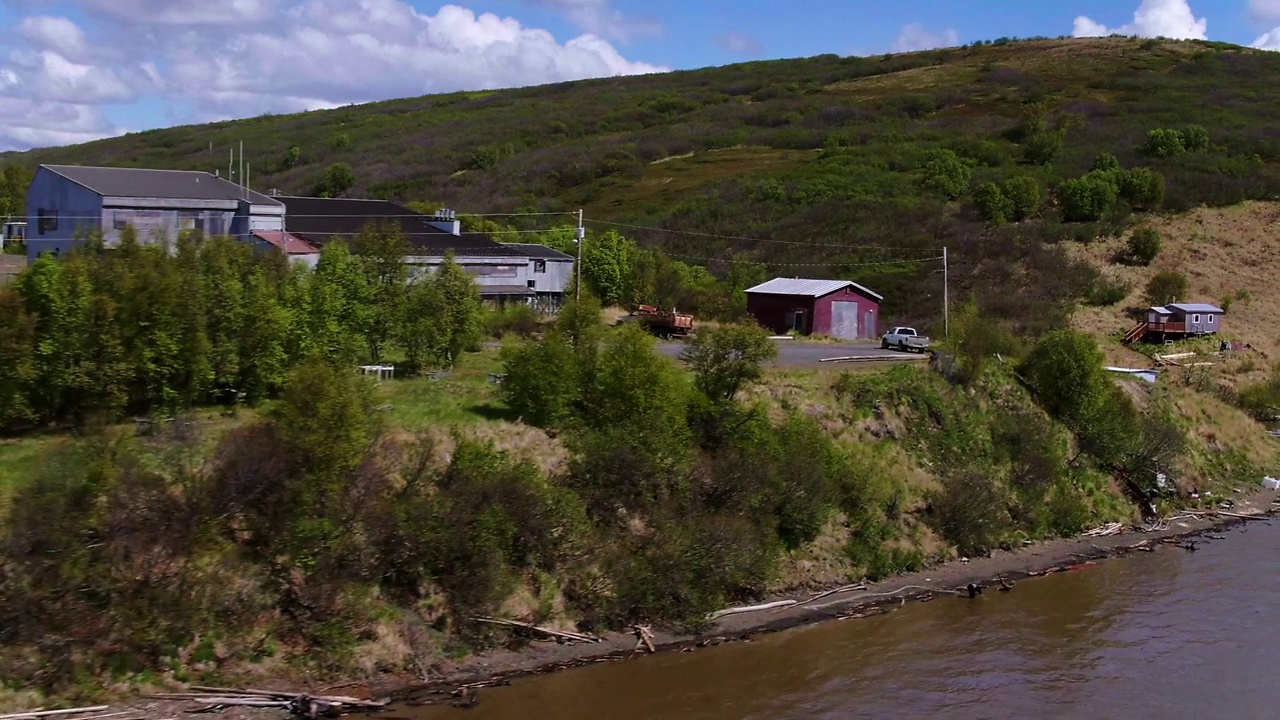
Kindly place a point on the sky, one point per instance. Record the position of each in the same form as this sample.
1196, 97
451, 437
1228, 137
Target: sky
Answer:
79, 70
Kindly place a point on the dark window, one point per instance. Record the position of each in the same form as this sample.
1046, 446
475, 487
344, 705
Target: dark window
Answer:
47, 221
532, 284
1195, 319
1212, 318
539, 266
120, 220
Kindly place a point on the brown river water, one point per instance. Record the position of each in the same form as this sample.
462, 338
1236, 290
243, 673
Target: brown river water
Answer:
1170, 634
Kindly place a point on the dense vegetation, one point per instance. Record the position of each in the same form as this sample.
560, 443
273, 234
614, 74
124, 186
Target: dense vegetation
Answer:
831, 161
140, 330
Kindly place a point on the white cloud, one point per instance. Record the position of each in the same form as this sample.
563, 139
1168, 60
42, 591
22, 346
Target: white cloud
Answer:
738, 43
1153, 18
600, 17
916, 37
312, 54
1264, 10
1269, 41
38, 124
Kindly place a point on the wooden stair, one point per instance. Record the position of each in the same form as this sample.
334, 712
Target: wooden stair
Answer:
1137, 333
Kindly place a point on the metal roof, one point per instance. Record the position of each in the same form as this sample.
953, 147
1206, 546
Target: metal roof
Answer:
1161, 310
289, 243
808, 288
1197, 308
164, 184
319, 220
542, 252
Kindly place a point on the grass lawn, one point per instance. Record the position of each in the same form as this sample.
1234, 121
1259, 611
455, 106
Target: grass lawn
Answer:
19, 459
461, 396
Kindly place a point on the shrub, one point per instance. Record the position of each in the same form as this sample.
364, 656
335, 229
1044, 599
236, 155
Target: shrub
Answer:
1164, 143
1262, 399
946, 173
1088, 198
1143, 247
1141, 187
338, 178
520, 320
1108, 291
1024, 196
541, 383
971, 511
727, 359
1195, 138
1106, 162
992, 204
1043, 148
1167, 286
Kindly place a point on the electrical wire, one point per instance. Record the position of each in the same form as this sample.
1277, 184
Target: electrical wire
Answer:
696, 233
822, 264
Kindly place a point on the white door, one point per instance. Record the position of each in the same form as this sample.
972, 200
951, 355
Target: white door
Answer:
844, 320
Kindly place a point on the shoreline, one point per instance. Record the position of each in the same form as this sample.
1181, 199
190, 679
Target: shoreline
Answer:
501, 667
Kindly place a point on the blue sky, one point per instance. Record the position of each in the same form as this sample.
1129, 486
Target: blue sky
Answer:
66, 76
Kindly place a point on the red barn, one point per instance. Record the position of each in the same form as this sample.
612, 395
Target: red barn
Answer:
837, 308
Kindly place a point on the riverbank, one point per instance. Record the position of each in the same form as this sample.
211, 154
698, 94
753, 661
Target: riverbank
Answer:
947, 580
943, 581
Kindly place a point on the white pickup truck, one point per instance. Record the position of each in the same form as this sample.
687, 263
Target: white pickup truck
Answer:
904, 338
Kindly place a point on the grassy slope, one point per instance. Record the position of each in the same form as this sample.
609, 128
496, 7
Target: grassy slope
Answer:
821, 150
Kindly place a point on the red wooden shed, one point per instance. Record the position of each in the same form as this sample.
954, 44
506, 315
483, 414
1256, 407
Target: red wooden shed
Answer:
837, 308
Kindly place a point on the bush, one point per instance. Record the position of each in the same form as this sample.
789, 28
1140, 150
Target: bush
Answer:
519, 320
1108, 291
1143, 247
1088, 198
972, 511
338, 178
725, 360
1141, 188
1195, 138
992, 204
541, 383
946, 173
1164, 143
1024, 196
1106, 162
1167, 286
1262, 399
1043, 148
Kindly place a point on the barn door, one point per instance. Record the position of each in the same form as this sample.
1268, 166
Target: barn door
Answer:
844, 320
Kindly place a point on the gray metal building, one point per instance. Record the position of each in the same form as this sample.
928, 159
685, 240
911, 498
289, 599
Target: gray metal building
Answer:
66, 203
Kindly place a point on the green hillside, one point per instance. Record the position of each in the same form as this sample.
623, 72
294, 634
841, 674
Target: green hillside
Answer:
822, 161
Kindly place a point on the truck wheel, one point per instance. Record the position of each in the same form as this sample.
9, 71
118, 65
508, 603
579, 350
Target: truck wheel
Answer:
884, 344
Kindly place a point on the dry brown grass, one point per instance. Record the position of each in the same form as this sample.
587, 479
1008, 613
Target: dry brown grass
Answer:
1230, 255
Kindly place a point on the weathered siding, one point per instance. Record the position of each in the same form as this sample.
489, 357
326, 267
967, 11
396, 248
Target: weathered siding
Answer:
775, 313
1200, 323
74, 209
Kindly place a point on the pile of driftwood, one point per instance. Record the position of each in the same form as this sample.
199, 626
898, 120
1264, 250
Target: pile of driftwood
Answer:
212, 699
95, 712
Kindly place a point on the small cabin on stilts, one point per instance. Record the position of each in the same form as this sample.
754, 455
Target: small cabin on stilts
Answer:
1177, 321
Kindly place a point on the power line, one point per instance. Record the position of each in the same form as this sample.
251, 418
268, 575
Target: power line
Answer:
696, 233
823, 264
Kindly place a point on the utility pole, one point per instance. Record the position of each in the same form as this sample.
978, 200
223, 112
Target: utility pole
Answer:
582, 236
946, 297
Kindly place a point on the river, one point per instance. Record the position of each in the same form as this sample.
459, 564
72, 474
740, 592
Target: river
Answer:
1170, 634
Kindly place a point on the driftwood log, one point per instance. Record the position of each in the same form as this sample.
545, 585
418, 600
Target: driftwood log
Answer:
560, 634
55, 713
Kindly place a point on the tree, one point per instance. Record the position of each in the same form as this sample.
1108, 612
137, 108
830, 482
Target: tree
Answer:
727, 359
421, 330
992, 204
461, 325
1088, 198
1141, 188
1106, 162
336, 306
382, 249
1143, 247
1164, 143
14, 181
1024, 196
1167, 286
1043, 148
338, 178
1195, 138
608, 267
946, 173
541, 380
18, 370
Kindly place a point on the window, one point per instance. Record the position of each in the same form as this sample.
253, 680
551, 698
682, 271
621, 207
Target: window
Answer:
1195, 319
121, 220
533, 284
47, 221
190, 221
1212, 318
539, 266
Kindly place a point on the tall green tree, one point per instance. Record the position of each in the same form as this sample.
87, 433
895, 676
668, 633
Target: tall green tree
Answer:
337, 305
382, 249
462, 324
727, 359
608, 267
18, 369
421, 331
